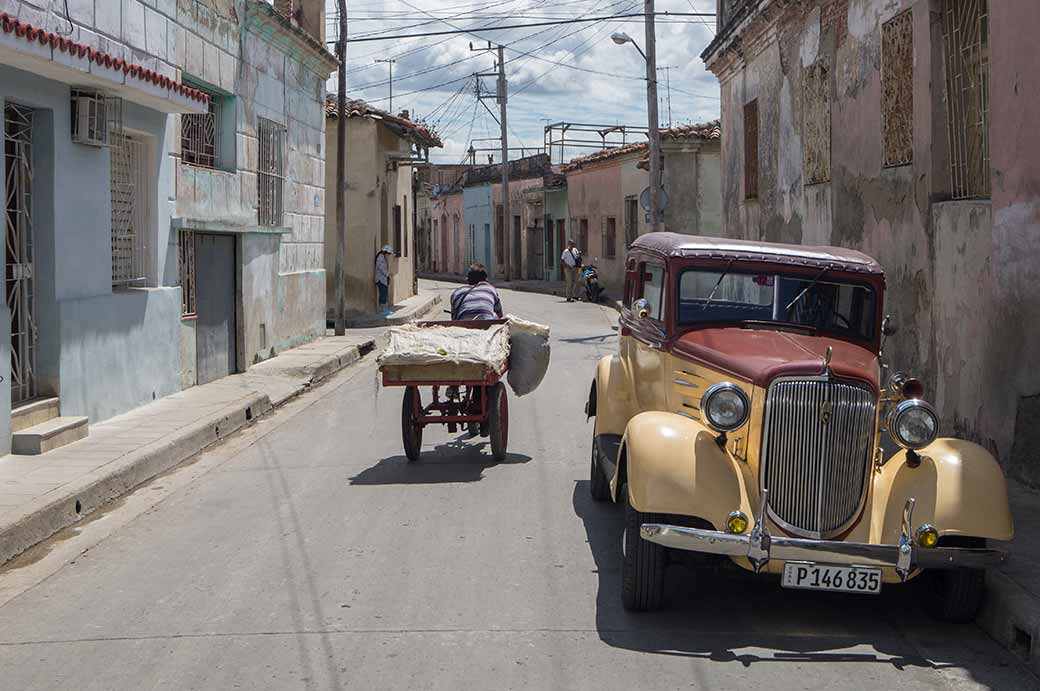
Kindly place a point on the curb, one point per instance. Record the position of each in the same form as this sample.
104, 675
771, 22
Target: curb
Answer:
49, 514
1011, 616
396, 319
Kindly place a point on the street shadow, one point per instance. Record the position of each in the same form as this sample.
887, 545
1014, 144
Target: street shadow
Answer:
721, 614
459, 460
588, 339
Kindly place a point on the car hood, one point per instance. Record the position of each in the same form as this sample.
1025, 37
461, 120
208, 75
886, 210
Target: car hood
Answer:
759, 355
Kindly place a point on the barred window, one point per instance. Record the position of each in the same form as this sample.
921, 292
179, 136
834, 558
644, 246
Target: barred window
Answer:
200, 136
816, 123
130, 225
610, 238
271, 175
966, 54
186, 271
751, 150
897, 89
583, 235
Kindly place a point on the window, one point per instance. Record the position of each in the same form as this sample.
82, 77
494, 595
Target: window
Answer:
271, 173
631, 220
397, 230
583, 235
186, 271
130, 224
208, 139
404, 222
816, 123
500, 238
966, 54
653, 288
610, 239
897, 89
751, 150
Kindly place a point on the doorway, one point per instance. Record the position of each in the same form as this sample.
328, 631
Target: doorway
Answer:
216, 326
18, 174
535, 251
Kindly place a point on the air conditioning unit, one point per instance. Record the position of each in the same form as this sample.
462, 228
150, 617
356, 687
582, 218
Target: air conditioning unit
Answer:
97, 118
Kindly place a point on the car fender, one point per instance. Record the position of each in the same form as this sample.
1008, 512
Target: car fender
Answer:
609, 398
674, 465
958, 487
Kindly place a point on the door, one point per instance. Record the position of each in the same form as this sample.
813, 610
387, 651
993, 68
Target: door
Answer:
647, 356
517, 269
18, 174
487, 248
443, 266
215, 326
535, 251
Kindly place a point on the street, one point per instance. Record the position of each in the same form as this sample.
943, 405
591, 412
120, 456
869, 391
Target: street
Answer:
305, 552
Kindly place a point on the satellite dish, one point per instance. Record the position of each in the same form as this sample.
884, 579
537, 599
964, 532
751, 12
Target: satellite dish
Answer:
662, 200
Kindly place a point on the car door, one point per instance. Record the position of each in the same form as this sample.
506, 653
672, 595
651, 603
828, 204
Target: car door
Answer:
647, 353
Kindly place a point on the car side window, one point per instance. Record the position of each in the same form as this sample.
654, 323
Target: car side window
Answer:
653, 289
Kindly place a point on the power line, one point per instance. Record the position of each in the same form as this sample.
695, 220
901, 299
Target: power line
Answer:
506, 27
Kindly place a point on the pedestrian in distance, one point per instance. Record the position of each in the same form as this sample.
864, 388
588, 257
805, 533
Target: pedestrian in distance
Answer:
570, 262
383, 279
477, 300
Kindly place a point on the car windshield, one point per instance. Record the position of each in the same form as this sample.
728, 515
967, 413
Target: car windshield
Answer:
820, 302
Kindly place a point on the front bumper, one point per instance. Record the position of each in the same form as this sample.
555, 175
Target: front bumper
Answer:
760, 548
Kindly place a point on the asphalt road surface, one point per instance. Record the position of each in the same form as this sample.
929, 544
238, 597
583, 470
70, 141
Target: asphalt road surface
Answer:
305, 553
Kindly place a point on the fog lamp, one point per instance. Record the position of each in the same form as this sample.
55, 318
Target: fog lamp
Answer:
737, 523
927, 536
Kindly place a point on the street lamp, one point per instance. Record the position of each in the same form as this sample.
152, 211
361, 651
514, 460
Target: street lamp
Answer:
650, 57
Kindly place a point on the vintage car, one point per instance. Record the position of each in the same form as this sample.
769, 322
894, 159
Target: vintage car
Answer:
750, 414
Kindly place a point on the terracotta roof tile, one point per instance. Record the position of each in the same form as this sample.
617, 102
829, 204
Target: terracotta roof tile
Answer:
356, 108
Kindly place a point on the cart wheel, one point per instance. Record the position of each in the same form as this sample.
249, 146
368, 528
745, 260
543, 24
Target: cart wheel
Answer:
411, 432
498, 420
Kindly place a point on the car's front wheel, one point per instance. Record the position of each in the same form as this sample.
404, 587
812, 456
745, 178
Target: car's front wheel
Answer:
643, 563
599, 486
954, 594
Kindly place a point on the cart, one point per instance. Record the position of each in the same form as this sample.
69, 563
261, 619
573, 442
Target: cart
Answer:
460, 394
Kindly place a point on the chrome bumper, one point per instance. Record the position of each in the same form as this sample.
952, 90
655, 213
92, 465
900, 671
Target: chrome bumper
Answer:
760, 547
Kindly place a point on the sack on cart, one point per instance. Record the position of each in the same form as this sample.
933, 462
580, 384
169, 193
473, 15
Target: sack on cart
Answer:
529, 355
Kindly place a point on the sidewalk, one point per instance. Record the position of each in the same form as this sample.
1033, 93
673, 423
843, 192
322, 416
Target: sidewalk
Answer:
419, 306
40, 495
1011, 611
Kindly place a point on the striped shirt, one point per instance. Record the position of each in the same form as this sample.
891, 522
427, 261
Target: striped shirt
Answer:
476, 302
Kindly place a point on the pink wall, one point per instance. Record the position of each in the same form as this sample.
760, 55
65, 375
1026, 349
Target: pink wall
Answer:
446, 208
517, 207
595, 194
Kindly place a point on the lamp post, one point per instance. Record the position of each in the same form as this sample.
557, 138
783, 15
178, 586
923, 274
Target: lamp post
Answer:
650, 57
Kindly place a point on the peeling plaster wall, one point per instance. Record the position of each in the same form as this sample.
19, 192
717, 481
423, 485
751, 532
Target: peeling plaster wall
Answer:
446, 209
595, 193
692, 180
961, 275
518, 206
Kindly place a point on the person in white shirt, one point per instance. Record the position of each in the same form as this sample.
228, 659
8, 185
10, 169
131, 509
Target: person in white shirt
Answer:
570, 262
383, 277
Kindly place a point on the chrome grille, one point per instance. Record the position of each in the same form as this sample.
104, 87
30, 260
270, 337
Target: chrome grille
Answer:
816, 453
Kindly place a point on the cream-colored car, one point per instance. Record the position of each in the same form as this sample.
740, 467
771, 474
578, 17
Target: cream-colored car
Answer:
747, 414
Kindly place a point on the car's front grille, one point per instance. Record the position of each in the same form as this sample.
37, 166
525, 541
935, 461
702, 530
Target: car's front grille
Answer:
816, 449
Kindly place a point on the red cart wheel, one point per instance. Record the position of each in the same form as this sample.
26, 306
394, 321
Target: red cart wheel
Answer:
498, 420
411, 431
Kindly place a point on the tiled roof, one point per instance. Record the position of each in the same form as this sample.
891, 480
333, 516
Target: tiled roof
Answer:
704, 130
356, 108
32, 34
604, 155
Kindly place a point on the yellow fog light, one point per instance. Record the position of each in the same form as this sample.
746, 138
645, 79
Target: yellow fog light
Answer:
737, 523
927, 536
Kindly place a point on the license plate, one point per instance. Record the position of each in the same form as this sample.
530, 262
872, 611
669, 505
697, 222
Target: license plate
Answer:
845, 579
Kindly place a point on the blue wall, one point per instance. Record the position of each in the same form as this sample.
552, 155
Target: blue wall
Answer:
478, 214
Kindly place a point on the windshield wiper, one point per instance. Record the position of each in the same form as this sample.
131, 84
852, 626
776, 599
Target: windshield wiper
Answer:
805, 290
711, 296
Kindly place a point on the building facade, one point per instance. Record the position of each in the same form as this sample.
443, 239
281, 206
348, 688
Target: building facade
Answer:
448, 231
905, 129
383, 151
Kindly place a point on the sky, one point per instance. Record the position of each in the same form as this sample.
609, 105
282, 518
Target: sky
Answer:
433, 74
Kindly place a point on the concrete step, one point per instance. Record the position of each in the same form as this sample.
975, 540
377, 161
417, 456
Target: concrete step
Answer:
49, 435
34, 412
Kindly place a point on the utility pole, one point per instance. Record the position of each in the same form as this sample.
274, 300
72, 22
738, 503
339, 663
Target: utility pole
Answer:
501, 95
651, 108
341, 171
390, 63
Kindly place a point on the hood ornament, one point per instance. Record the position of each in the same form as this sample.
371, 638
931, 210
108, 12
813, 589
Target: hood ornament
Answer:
827, 359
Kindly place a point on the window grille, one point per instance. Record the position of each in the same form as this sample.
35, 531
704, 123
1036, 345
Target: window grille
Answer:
610, 239
271, 175
897, 89
397, 230
583, 235
631, 220
200, 134
186, 271
816, 124
500, 239
966, 53
751, 150
129, 217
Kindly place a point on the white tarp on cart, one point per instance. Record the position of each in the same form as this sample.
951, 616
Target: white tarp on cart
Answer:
451, 345
529, 359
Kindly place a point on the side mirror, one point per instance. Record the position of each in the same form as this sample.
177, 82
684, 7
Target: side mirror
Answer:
641, 308
888, 326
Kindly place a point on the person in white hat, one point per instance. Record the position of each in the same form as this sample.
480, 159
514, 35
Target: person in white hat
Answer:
383, 276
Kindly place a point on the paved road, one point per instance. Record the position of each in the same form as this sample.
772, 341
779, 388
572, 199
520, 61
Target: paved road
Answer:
305, 553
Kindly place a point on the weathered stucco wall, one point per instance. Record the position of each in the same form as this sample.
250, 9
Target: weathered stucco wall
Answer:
450, 250
478, 245
691, 177
556, 209
960, 273
595, 194
517, 207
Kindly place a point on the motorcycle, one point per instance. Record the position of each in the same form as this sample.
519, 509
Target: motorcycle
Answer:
593, 290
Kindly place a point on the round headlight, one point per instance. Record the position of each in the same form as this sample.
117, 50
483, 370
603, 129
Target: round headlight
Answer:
725, 407
913, 424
